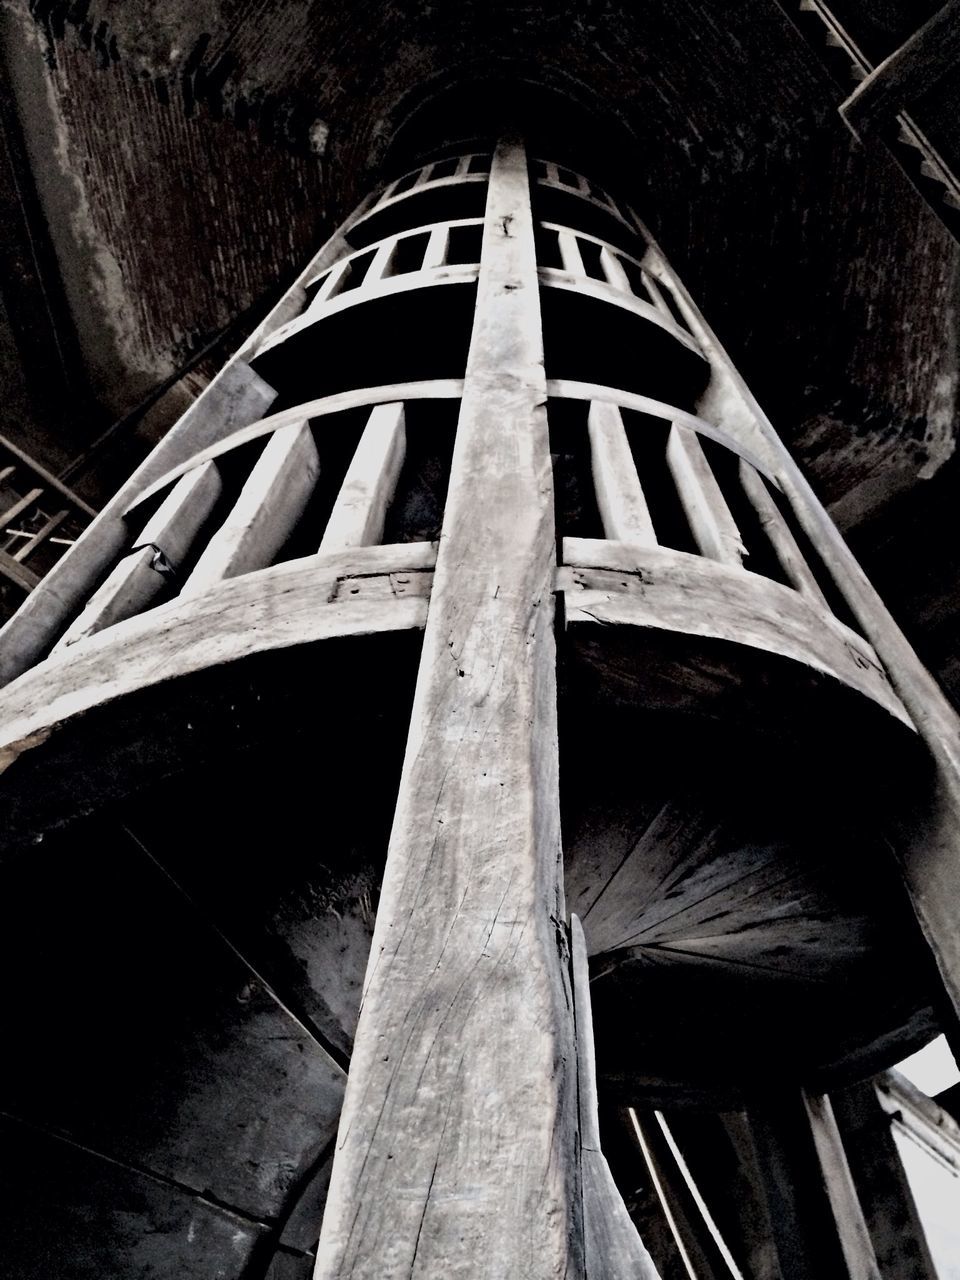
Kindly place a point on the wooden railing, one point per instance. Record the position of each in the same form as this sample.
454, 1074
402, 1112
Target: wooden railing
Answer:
562, 178
474, 167
39, 517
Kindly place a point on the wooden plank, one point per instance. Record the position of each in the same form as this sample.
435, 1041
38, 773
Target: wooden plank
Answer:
623, 508
17, 573
907, 74
711, 521
270, 504
155, 558
42, 534
852, 1232
471, 1107
336, 279
288, 604
18, 507
381, 265
368, 487
781, 539
612, 1245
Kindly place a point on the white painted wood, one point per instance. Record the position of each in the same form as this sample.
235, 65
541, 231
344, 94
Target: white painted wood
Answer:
156, 556
570, 254
623, 508
781, 539
368, 487
462, 1086
435, 254
269, 506
852, 1232
336, 279
711, 521
381, 266
612, 1246
613, 271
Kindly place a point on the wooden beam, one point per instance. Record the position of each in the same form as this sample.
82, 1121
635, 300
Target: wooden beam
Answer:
852, 1231
781, 539
711, 521
906, 74
458, 1140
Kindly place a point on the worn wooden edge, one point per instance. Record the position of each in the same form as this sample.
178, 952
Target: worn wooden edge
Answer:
386, 287
586, 286
285, 605
432, 389
568, 389
676, 591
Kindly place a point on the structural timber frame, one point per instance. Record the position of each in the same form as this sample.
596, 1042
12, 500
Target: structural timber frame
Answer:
489, 412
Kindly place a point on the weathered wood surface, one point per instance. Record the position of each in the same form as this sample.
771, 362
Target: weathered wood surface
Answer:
310, 410
613, 1249
675, 591
568, 389
277, 607
589, 288
907, 74
781, 539
714, 528
929, 846
270, 504
156, 556
623, 508
457, 1145
368, 487
853, 1234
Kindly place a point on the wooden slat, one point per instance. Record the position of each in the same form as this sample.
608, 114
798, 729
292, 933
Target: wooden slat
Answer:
623, 508
49, 481
16, 572
42, 534
336, 279
612, 1246
361, 506
156, 556
270, 504
781, 539
435, 254
380, 266
552, 172
473, 1104
570, 254
853, 1234
613, 271
463, 167
18, 507
711, 521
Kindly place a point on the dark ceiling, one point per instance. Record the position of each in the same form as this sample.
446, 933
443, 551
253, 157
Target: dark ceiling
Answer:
170, 164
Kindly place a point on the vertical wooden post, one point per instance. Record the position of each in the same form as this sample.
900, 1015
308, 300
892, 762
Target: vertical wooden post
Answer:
457, 1151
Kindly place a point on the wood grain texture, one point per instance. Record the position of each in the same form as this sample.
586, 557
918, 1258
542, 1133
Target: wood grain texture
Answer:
711, 521
781, 539
270, 504
853, 1234
612, 1246
278, 607
457, 1145
656, 587
623, 508
361, 506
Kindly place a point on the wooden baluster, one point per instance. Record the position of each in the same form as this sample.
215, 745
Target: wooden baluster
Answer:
623, 507
17, 508
552, 172
156, 556
437, 246
270, 504
43, 533
613, 271
336, 279
711, 521
781, 539
368, 487
463, 166
570, 254
659, 301
388, 190
380, 266
583, 186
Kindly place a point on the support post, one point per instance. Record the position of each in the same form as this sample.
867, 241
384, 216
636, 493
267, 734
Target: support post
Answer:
457, 1150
